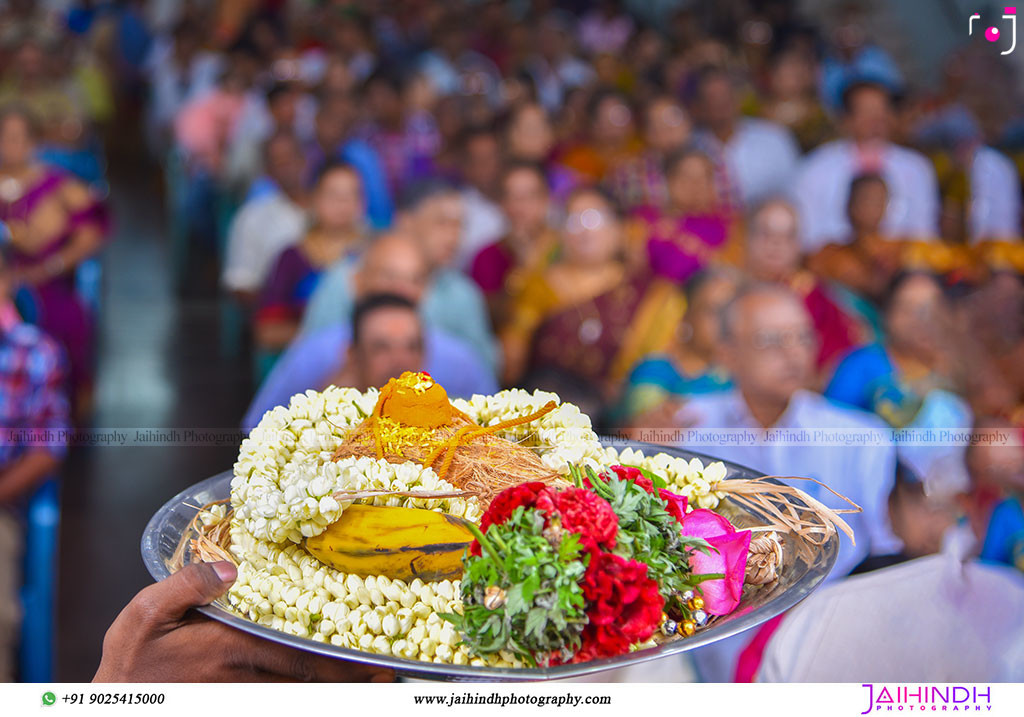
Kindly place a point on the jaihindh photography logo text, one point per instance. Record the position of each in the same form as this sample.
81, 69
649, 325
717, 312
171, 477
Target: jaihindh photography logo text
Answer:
927, 698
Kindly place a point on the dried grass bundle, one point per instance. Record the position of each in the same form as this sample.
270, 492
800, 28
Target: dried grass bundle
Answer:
205, 543
789, 509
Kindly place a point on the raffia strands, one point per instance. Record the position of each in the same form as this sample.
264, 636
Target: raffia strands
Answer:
814, 523
205, 543
482, 467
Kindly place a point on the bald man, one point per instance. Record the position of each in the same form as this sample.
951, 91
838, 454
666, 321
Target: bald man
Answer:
395, 265
773, 423
432, 215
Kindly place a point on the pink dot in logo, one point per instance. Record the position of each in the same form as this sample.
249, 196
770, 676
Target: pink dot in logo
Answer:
992, 34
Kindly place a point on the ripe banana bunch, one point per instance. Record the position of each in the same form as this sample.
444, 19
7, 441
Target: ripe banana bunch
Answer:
399, 543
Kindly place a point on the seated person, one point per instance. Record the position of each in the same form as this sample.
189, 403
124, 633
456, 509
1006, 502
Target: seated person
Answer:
386, 340
337, 230
660, 382
792, 100
33, 402
868, 262
264, 226
284, 108
641, 181
334, 139
530, 137
479, 154
822, 183
692, 230
993, 315
432, 214
754, 158
386, 337
773, 254
1002, 466
55, 224
610, 137
588, 313
529, 245
769, 348
893, 377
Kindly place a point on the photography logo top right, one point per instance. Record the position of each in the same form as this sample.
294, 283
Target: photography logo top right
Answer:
994, 34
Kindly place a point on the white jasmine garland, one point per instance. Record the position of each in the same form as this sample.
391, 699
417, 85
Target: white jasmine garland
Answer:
285, 588
284, 476
562, 437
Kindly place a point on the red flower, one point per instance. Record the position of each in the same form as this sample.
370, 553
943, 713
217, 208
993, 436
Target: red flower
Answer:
623, 606
633, 474
506, 502
586, 513
676, 504
530, 495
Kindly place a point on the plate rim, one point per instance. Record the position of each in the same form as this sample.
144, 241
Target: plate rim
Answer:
807, 584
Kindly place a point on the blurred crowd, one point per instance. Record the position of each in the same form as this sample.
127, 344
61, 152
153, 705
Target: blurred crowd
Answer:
678, 215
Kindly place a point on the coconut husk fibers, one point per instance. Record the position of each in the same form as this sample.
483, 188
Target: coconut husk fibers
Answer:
484, 465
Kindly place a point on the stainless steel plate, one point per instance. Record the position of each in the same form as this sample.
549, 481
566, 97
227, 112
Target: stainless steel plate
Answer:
798, 578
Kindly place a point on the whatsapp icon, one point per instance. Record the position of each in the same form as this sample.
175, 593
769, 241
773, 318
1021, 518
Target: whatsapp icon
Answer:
49, 698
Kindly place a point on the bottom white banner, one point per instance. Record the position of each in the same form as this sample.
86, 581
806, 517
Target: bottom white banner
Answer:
632, 700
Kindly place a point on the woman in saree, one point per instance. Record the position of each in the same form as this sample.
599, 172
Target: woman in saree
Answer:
55, 223
692, 230
587, 314
338, 233
919, 357
688, 366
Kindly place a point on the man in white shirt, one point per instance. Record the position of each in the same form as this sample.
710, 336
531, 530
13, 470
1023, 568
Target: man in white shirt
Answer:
755, 158
906, 634
269, 223
933, 619
769, 347
822, 184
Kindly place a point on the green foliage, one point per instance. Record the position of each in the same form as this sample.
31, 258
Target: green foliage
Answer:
648, 533
543, 606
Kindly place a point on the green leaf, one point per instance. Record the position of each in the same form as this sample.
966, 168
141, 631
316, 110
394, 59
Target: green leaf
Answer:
536, 620
515, 602
529, 587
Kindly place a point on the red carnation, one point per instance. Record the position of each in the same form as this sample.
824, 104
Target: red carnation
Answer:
529, 495
586, 513
623, 606
506, 502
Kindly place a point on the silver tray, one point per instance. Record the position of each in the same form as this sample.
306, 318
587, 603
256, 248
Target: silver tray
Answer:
798, 578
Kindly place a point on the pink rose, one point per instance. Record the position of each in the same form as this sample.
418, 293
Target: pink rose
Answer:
728, 556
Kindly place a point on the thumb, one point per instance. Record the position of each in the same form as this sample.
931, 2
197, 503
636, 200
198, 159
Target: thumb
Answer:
193, 586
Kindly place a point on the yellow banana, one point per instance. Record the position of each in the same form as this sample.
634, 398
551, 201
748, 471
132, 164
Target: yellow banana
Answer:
400, 543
